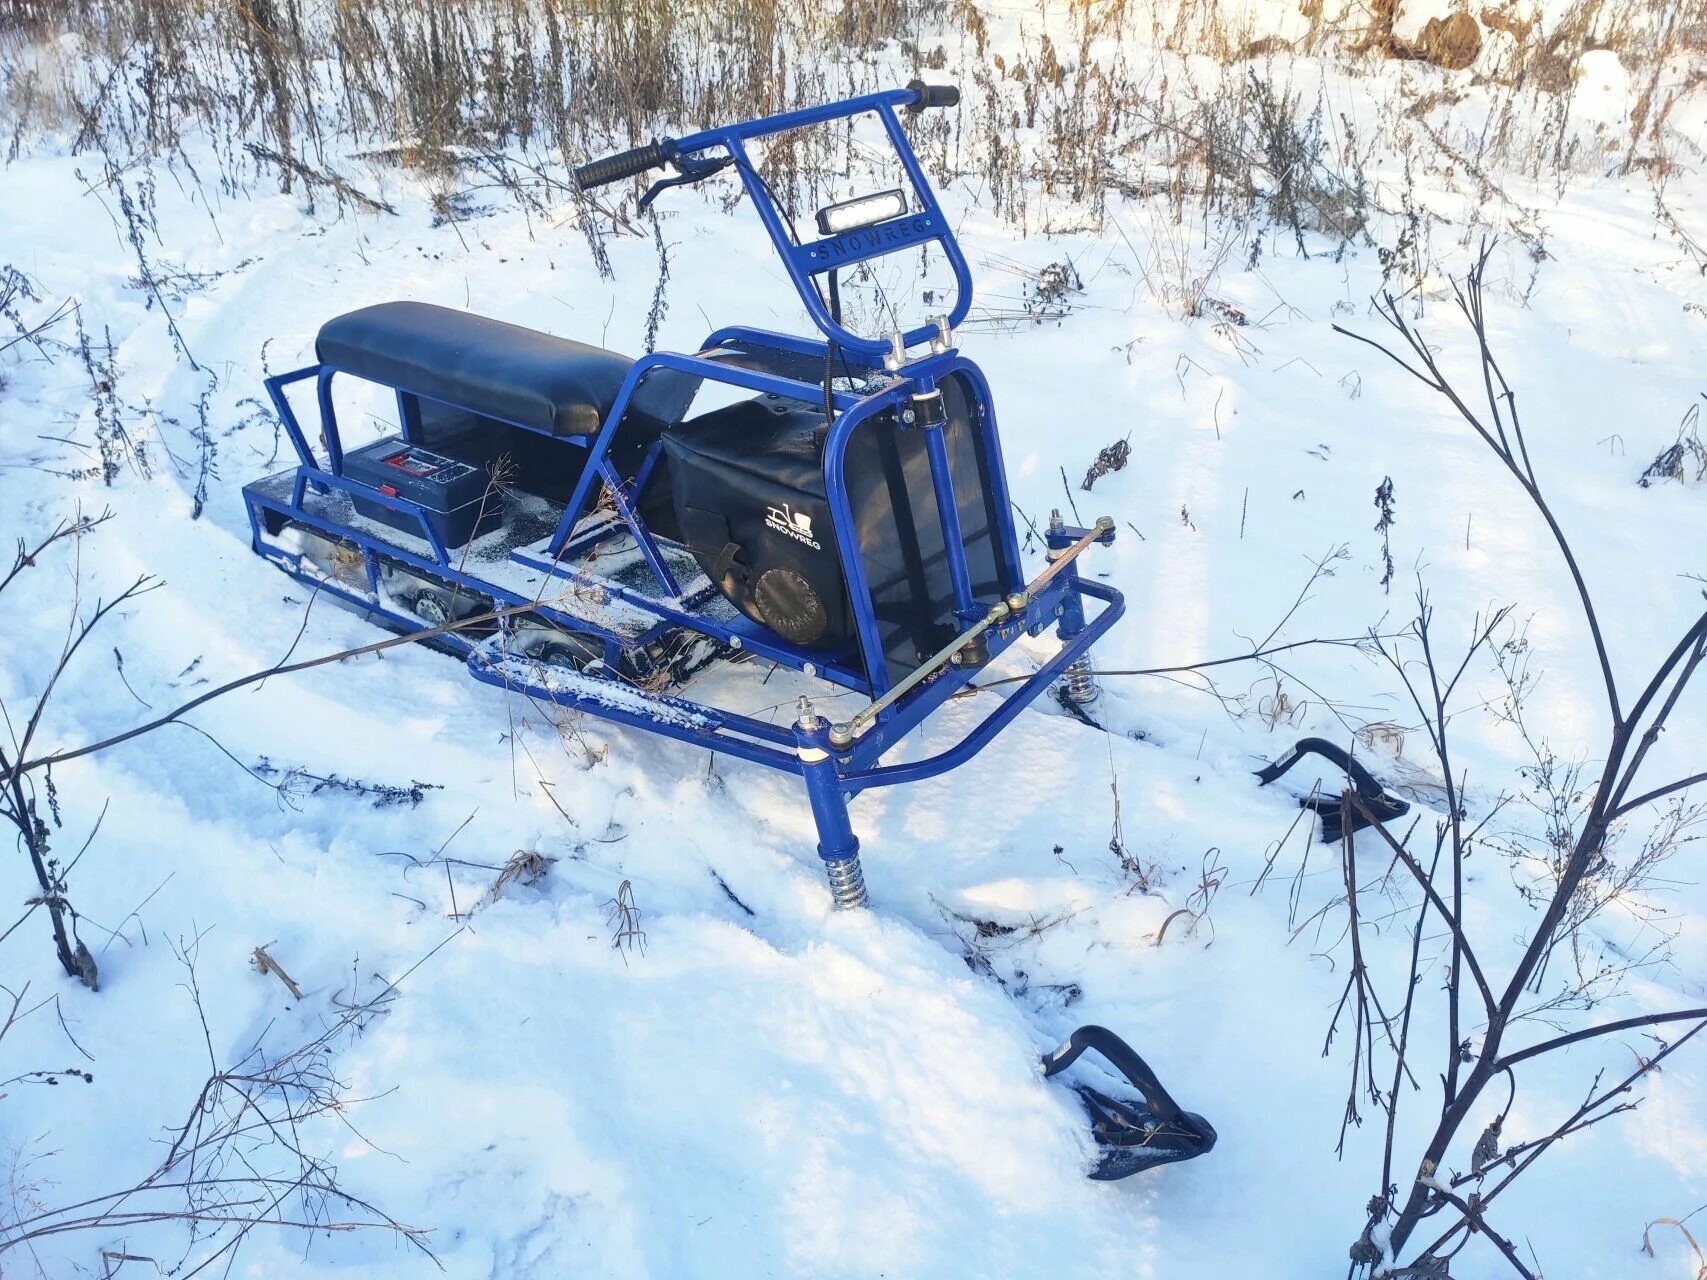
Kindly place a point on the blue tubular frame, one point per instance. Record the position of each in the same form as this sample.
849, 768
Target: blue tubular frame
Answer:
275, 392
765, 362
874, 775
325, 480
709, 370
928, 224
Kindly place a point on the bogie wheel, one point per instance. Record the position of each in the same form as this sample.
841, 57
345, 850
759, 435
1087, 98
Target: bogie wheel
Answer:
431, 608
558, 655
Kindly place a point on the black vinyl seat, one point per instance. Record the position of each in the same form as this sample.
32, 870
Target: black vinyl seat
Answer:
498, 370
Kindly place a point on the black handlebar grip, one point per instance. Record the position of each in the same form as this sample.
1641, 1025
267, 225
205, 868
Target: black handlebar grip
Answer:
933, 95
624, 164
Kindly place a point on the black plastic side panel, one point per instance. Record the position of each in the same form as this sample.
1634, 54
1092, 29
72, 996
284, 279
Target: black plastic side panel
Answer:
535, 463
900, 530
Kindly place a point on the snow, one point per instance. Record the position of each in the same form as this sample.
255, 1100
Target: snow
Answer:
769, 1088
1603, 88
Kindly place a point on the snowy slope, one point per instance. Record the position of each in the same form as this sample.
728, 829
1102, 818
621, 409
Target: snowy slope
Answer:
769, 1088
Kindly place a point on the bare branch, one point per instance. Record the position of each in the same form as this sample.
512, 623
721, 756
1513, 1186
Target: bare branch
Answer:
1517, 464
1682, 784
1590, 1033
280, 669
1435, 900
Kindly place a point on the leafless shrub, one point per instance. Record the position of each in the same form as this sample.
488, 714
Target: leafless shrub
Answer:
246, 1156
1195, 912
272, 83
1045, 295
1109, 459
1179, 263
296, 782
137, 216
29, 800
1579, 866
17, 291
506, 94
660, 305
343, 190
1384, 527
1685, 458
21, 806
113, 437
16, 1012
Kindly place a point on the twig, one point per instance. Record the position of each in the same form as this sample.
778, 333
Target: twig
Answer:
264, 962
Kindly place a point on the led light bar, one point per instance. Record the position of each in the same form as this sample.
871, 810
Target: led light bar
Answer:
861, 211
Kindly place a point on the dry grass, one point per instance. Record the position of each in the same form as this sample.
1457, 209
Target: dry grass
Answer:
1203, 142
1095, 101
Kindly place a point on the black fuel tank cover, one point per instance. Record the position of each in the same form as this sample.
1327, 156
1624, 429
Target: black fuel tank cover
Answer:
789, 606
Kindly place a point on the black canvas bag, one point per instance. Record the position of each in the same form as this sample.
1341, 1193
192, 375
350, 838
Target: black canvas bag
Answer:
747, 483
748, 500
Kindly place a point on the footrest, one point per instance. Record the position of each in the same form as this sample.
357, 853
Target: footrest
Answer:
613, 698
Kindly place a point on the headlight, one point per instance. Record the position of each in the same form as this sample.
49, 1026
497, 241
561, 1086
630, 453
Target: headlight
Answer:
861, 211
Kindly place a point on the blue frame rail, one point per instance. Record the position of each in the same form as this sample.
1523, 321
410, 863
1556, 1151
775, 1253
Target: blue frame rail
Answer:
804, 261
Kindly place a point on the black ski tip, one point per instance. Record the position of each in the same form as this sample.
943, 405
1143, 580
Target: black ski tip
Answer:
1332, 814
1132, 1134
1331, 810
1119, 1162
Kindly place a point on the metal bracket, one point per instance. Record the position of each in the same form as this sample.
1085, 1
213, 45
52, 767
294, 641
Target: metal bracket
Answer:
692, 170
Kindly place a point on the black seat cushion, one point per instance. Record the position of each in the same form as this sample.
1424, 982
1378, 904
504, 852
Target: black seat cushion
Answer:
500, 370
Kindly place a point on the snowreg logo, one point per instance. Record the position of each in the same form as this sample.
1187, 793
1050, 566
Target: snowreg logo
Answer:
796, 524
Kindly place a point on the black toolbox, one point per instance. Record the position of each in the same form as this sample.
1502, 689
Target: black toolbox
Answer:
453, 494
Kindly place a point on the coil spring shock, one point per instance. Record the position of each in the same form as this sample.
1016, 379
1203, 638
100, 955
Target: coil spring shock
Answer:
847, 883
1079, 683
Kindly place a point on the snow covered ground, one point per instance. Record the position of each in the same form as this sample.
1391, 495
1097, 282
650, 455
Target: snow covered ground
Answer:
768, 1088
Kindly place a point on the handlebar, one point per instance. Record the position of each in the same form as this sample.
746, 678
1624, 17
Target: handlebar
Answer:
726, 146
916, 97
624, 164
932, 95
